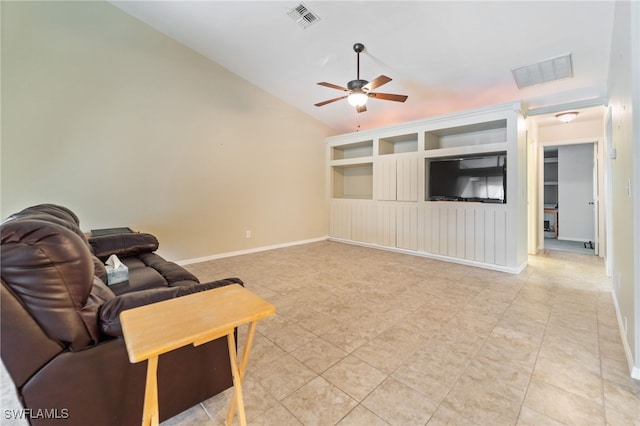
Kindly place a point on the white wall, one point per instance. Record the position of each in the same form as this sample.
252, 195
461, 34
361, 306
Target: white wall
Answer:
624, 108
575, 191
105, 115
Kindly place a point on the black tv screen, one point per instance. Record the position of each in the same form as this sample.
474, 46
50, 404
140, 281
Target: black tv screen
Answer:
481, 178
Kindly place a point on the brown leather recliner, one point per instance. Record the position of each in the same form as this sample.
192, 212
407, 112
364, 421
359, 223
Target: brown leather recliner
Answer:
61, 338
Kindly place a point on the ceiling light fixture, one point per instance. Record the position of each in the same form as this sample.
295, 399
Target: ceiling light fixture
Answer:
566, 117
357, 98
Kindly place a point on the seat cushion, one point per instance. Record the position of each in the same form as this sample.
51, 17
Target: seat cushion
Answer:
141, 277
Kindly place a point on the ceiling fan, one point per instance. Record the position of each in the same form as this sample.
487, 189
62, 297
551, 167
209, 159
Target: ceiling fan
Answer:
358, 91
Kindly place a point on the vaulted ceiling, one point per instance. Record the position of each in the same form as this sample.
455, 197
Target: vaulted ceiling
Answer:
446, 56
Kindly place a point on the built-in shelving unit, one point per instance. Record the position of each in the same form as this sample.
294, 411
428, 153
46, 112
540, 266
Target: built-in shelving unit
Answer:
378, 177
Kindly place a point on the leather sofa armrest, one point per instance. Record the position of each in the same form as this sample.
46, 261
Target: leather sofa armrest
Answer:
123, 245
109, 314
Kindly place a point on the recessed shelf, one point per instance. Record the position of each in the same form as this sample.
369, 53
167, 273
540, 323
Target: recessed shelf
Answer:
353, 181
398, 144
352, 150
485, 133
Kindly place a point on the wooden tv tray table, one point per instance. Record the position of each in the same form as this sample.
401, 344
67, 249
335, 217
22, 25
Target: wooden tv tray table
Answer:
151, 330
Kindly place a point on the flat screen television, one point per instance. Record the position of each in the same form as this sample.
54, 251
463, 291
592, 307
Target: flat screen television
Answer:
481, 178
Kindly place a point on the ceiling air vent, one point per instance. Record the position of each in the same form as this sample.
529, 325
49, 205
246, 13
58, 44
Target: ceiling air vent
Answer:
303, 16
543, 72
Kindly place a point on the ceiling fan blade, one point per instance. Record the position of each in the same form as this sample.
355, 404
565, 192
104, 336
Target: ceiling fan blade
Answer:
331, 100
333, 86
361, 108
388, 97
377, 82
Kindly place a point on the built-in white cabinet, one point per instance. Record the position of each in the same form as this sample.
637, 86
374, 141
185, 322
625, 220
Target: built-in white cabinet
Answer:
397, 178
379, 184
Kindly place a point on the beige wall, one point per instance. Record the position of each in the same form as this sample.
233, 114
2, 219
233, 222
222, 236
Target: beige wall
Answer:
624, 107
125, 126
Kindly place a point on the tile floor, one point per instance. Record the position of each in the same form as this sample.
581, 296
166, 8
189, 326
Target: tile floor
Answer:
370, 337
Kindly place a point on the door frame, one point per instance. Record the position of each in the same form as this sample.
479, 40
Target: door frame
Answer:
600, 214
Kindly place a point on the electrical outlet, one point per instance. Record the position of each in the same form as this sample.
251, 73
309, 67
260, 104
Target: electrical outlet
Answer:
247, 234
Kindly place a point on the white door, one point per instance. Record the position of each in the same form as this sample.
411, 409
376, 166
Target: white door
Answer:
576, 193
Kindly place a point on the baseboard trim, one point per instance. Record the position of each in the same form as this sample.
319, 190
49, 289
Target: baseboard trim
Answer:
499, 268
248, 251
633, 370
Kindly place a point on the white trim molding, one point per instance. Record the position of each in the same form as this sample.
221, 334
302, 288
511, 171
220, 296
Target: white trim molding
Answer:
248, 251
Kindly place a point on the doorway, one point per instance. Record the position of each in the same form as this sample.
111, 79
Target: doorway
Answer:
570, 198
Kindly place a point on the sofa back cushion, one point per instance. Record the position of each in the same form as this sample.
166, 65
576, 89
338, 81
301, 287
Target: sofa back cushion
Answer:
123, 245
50, 269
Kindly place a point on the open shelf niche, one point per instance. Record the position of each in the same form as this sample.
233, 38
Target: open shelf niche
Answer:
353, 181
398, 144
475, 137
352, 150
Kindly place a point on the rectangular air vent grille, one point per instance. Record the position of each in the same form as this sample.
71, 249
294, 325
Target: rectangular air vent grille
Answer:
545, 71
303, 16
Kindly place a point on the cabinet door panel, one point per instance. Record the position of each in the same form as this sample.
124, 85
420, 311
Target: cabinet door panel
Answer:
407, 226
386, 179
386, 225
407, 179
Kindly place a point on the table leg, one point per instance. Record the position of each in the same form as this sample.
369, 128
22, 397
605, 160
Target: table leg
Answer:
243, 367
237, 383
150, 411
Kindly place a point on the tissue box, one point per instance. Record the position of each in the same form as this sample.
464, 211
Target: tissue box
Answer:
117, 272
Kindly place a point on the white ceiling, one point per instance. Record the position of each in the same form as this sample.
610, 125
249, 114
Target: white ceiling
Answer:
446, 56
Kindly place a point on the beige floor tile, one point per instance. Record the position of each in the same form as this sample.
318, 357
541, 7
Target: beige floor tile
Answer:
431, 377
257, 400
277, 415
399, 404
509, 347
360, 416
562, 406
195, 416
489, 394
569, 376
383, 356
615, 418
624, 399
263, 352
346, 336
319, 403
355, 377
318, 354
617, 371
446, 415
529, 417
289, 336
283, 376
612, 349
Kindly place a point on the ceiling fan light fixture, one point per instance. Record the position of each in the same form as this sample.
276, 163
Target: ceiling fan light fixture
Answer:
357, 98
566, 117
